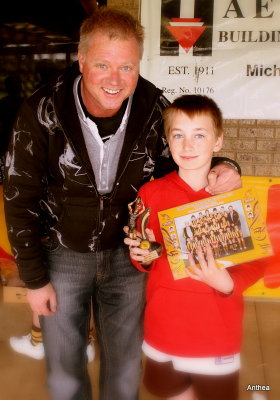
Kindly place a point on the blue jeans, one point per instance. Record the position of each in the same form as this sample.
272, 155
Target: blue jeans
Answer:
117, 292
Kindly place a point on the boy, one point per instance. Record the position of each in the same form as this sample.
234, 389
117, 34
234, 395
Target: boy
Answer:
193, 326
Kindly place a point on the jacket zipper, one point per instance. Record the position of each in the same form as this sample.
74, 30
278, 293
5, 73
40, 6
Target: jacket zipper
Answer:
101, 198
100, 217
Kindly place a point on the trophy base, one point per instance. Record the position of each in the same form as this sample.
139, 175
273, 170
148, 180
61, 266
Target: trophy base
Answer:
155, 250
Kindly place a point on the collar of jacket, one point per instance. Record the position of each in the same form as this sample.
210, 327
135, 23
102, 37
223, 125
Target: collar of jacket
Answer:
143, 104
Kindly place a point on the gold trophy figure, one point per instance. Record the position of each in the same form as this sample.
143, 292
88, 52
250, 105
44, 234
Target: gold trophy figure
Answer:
137, 209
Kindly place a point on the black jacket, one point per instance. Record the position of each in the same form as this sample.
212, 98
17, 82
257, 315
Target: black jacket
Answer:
49, 181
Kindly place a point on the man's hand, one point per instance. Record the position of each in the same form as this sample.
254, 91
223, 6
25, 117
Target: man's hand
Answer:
223, 178
42, 301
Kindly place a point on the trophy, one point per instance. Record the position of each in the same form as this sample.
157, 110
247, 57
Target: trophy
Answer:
137, 209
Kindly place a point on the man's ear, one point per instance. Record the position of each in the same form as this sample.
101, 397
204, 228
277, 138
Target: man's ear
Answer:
81, 60
219, 143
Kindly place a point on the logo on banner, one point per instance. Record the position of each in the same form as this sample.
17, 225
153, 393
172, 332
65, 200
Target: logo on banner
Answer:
186, 31
194, 31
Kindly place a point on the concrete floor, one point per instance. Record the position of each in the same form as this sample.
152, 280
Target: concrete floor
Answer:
24, 378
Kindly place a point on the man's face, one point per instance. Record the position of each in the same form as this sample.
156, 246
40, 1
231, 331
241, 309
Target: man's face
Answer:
110, 69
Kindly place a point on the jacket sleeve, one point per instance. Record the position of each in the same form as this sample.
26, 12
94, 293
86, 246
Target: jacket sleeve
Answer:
164, 163
25, 174
220, 160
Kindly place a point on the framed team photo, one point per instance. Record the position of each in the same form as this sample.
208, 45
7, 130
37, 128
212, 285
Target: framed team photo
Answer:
232, 223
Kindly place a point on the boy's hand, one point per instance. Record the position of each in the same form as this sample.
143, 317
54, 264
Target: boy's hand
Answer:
135, 252
209, 273
223, 178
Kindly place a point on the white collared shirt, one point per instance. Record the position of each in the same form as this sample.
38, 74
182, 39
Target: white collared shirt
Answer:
104, 157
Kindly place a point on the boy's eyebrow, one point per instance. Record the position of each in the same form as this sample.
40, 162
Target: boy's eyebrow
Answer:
175, 128
201, 129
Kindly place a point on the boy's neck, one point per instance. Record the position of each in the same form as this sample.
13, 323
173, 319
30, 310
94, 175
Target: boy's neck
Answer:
195, 180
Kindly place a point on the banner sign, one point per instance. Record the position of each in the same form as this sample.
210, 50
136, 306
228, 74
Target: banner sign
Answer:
225, 49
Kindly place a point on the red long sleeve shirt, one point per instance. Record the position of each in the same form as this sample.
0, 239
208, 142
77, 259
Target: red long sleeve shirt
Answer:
186, 317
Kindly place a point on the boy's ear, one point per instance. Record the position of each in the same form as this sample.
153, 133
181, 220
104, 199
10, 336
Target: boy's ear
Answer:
219, 143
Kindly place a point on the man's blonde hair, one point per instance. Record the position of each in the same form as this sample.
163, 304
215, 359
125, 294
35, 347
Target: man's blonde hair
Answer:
114, 23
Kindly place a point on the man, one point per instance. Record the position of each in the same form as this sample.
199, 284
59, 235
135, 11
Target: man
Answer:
188, 231
82, 146
233, 217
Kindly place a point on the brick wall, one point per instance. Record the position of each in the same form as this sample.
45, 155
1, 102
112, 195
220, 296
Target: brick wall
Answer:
254, 144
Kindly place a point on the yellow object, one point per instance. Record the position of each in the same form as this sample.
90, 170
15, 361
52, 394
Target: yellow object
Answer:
4, 242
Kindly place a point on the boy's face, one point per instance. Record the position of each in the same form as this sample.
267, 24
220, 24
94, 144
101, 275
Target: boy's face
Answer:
192, 142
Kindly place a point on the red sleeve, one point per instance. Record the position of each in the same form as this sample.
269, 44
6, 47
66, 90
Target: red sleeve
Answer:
136, 264
268, 268
140, 266
245, 275
272, 264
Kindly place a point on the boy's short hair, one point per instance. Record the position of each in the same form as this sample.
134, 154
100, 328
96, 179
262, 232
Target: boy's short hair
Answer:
192, 105
112, 22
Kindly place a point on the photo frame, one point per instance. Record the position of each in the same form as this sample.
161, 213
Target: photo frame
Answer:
233, 223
